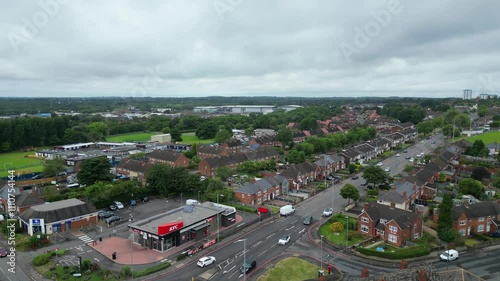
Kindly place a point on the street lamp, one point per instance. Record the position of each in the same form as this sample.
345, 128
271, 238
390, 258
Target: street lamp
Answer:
182, 204
244, 257
218, 223
198, 196
166, 205
321, 257
347, 233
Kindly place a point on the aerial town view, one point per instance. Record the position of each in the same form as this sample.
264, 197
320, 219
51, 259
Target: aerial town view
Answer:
234, 140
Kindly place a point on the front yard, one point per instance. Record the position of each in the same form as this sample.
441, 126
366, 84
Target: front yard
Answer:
339, 237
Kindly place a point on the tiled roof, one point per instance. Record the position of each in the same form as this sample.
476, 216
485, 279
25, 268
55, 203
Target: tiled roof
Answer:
58, 211
404, 219
482, 209
165, 155
391, 196
135, 165
27, 199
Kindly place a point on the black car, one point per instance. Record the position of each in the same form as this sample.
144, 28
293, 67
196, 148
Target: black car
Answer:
495, 234
105, 214
112, 219
308, 220
355, 177
145, 199
365, 183
248, 266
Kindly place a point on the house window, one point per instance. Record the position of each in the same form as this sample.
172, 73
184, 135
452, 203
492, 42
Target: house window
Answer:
364, 219
384, 221
463, 222
415, 236
364, 228
393, 238
242, 195
393, 229
481, 219
259, 200
462, 231
480, 228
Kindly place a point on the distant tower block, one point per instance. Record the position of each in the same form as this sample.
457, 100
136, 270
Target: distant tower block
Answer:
467, 94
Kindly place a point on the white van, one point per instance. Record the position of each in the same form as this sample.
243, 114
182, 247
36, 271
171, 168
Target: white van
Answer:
449, 255
287, 210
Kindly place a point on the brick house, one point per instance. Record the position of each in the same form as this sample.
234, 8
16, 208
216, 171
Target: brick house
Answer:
265, 140
262, 190
233, 145
478, 218
134, 169
392, 225
301, 174
25, 200
210, 150
170, 158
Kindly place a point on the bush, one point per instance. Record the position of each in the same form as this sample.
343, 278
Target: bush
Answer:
479, 237
337, 227
42, 259
182, 256
372, 192
86, 264
410, 252
243, 208
125, 272
151, 270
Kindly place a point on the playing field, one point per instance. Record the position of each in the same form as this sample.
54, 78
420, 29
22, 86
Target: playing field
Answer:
134, 137
191, 138
487, 138
16, 161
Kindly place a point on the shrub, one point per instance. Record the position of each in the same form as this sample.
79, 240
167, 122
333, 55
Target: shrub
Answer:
42, 259
479, 237
410, 252
337, 227
150, 270
86, 264
182, 256
125, 272
372, 192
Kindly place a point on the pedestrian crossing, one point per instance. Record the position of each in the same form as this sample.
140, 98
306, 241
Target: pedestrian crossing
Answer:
86, 239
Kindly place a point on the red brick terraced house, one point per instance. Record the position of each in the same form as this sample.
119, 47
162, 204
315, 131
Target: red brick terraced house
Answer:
301, 174
210, 150
168, 157
134, 169
394, 226
262, 190
477, 218
233, 145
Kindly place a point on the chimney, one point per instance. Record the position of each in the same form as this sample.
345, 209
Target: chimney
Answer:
365, 207
393, 205
403, 264
466, 202
404, 195
415, 187
365, 273
422, 275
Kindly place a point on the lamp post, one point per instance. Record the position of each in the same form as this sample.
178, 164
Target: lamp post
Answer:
244, 258
346, 233
166, 205
321, 257
218, 223
182, 204
198, 196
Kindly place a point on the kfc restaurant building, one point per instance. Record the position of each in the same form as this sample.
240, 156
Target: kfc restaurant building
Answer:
176, 227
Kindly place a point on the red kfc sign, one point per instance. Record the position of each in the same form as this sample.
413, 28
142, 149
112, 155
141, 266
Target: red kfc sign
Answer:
169, 227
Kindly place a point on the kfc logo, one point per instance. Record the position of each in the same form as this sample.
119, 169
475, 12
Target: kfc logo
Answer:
169, 227
172, 228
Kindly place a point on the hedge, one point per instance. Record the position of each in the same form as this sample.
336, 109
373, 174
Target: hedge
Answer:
410, 252
150, 270
42, 259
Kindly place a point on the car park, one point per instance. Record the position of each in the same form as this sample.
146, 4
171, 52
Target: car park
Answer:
112, 219
308, 220
283, 240
248, 266
205, 261
105, 214
118, 204
355, 177
328, 212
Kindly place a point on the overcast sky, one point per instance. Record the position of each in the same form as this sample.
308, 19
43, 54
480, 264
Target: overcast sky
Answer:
249, 48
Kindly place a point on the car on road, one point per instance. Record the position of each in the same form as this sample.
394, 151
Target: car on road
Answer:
449, 255
3, 253
328, 212
112, 219
407, 157
495, 234
365, 183
308, 220
405, 151
411, 160
118, 204
355, 177
283, 240
380, 164
205, 261
112, 207
248, 266
397, 154
105, 214
387, 169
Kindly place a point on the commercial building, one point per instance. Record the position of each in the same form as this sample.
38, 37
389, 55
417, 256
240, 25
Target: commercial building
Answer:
192, 222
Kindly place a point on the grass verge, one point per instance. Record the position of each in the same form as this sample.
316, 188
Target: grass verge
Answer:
291, 269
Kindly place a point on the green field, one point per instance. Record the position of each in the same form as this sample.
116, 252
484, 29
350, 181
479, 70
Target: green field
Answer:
16, 161
487, 138
191, 138
133, 137
291, 269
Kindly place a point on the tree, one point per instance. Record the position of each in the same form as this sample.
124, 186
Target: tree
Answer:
223, 136
482, 111
176, 135
349, 192
224, 172
337, 227
206, 130
308, 148
462, 121
445, 229
408, 168
352, 168
375, 175
285, 137
53, 167
477, 149
249, 132
471, 186
480, 173
93, 170
296, 157
425, 127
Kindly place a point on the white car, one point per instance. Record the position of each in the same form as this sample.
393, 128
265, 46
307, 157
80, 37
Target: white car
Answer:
328, 212
206, 261
397, 154
118, 204
387, 169
380, 164
411, 160
283, 240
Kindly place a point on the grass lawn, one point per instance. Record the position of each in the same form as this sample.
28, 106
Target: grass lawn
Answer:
17, 161
471, 242
133, 137
339, 238
291, 269
59, 272
191, 138
487, 138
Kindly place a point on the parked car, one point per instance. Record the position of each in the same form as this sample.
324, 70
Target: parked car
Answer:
449, 255
495, 234
112, 219
405, 151
206, 261
287, 210
132, 202
118, 204
145, 199
407, 157
308, 220
355, 177
411, 160
105, 214
248, 266
328, 212
3, 253
380, 164
387, 169
112, 207
37, 177
397, 154
283, 240
365, 183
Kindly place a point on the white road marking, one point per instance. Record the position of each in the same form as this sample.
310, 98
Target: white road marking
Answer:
269, 236
261, 253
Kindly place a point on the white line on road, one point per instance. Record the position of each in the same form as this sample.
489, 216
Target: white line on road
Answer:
290, 228
97, 260
303, 230
226, 271
269, 236
255, 245
261, 253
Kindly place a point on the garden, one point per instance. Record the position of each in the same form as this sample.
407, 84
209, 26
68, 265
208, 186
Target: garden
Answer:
337, 228
421, 247
291, 269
